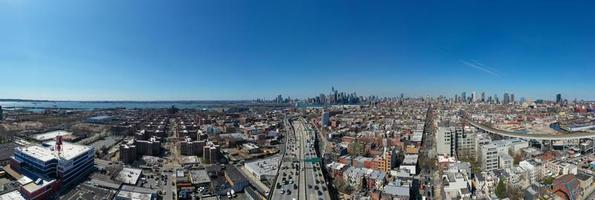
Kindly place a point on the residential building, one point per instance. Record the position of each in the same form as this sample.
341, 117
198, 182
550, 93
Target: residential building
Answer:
387, 161
149, 147
211, 153
456, 141
410, 163
489, 157
456, 185
128, 152
188, 147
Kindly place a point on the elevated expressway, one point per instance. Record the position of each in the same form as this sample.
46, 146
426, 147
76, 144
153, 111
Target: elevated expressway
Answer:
572, 136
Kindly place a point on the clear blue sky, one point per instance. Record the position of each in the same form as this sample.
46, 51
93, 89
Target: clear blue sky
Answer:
230, 49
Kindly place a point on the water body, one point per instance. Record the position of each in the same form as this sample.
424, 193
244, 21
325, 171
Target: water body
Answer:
90, 105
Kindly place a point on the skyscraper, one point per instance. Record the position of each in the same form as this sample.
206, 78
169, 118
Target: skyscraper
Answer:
473, 97
483, 96
558, 98
506, 98
511, 98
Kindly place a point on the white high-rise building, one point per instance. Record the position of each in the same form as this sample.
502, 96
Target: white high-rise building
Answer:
443, 141
473, 97
491, 153
489, 157
480, 140
455, 141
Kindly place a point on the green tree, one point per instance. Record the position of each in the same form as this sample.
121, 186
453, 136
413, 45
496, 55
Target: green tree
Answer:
356, 148
548, 180
501, 189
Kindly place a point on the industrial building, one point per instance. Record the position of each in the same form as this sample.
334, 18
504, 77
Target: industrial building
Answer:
263, 169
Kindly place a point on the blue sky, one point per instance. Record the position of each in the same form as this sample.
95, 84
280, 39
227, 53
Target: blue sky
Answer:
228, 49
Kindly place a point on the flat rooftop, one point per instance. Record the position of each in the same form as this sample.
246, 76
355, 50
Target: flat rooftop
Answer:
129, 175
199, 177
68, 152
86, 191
14, 195
265, 167
39, 152
417, 136
33, 186
410, 159
133, 195
50, 135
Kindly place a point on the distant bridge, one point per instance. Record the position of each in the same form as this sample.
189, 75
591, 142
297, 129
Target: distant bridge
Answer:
571, 136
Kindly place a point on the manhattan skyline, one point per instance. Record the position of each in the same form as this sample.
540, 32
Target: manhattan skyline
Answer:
226, 50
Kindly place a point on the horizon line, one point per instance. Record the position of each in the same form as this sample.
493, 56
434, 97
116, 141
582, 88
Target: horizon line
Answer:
215, 100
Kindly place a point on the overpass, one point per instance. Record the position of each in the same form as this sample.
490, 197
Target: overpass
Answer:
571, 136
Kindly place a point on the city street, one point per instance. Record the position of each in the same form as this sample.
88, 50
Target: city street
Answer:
171, 164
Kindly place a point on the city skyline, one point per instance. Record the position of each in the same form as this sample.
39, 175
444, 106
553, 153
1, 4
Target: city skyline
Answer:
218, 50
473, 96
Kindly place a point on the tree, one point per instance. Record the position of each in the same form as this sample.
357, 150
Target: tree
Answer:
356, 148
501, 189
514, 192
342, 186
548, 180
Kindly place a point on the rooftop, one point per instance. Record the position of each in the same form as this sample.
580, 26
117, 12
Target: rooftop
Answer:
34, 186
199, 176
86, 191
50, 135
396, 190
39, 152
417, 136
265, 167
133, 195
137, 189
410, 159
129, 175
69, 150
14, 195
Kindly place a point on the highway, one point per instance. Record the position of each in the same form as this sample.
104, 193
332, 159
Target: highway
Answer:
313, 186
572, 136
300, 175
287, 177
